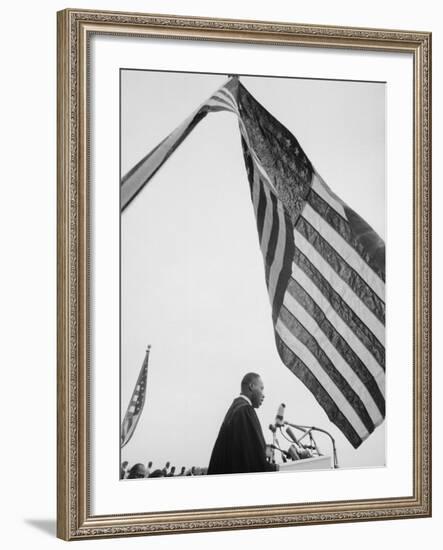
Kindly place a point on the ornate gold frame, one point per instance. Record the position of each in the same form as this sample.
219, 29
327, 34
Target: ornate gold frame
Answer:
74, 520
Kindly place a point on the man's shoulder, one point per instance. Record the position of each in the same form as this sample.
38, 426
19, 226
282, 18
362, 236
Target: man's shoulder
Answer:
240, 404
239, 407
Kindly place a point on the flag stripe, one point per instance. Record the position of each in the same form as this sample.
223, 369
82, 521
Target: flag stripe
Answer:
229, 99
126, 431
355, 344
273, 237
136, 404
332, 380
343, 228
282, 266
135, 180
128, 423
249, 168
305, 374
268, 222
348, 253
261, 208
218, 104
223, 98
349, 316
343, 270
256, 193
368, 240
351, 299
322, 190
286, 269
337, 349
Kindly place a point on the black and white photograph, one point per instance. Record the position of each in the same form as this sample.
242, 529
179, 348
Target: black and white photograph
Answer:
252, 274
217, 262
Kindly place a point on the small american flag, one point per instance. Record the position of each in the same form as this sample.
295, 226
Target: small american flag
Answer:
135, 406
324, 265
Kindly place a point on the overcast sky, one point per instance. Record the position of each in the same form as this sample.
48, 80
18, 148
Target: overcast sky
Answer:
192, 275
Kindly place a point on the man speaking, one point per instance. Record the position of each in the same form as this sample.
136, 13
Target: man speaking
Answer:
240, 446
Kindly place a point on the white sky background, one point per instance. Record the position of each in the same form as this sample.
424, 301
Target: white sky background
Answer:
192, 275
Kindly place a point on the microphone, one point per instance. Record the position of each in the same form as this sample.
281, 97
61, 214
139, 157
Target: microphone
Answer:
292, 435
279, 416
284, 453
302, 450
292, 452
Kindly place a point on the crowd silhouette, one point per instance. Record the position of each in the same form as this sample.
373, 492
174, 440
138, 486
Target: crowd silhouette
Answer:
139, 471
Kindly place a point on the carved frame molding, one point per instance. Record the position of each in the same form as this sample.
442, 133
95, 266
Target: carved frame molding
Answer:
75, 27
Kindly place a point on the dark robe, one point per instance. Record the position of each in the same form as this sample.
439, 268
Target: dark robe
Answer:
240, 445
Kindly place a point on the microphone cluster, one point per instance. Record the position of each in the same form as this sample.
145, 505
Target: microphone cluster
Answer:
297, 450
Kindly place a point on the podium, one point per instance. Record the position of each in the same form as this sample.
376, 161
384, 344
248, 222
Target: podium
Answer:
305, 464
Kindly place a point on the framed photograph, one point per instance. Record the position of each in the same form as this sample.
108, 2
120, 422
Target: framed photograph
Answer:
244, 257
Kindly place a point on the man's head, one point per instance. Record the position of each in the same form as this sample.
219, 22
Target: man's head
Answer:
156, 473
137, 471
252, 387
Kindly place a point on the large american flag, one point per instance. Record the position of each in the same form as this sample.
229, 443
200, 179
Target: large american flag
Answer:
324, 265
136, 404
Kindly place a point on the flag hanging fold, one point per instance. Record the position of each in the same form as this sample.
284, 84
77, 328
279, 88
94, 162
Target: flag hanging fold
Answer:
324, 265
136, 404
